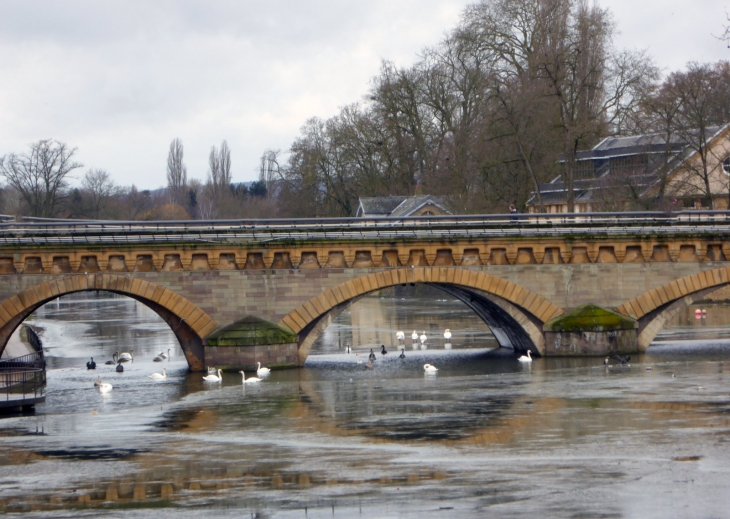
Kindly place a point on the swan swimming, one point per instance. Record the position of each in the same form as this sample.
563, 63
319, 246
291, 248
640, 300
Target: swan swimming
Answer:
249, 380
523, 358
382, 351
124, 356
262, 371
428, 368
402, 353
164, 355
105, 387
113, 361
214, 378
159, 376
120, 368
157, 359
447, 334
91, 364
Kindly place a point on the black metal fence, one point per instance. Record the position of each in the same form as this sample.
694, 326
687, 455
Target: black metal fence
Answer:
18, 386
33, 360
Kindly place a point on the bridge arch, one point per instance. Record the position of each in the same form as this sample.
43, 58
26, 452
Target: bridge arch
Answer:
514, 310
654, 308
189, 323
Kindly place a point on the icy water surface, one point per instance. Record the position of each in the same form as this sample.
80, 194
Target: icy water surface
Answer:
484, 437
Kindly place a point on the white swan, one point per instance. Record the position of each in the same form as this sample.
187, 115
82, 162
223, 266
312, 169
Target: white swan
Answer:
105, 387
523, 358
249, 380
262, 371
447, 334
124, 356
428, 368
400, 336
214, 378
423, 337
414, 336
159, 376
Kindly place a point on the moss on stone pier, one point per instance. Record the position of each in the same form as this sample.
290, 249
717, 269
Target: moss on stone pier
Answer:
251, 331
590, 318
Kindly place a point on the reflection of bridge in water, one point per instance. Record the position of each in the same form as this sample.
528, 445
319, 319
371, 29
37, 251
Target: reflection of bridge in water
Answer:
517, 273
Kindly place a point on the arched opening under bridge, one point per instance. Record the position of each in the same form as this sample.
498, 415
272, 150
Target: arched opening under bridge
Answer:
514, 314
189, 323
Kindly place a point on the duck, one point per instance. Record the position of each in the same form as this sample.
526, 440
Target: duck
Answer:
113, 361
91, 364
371, 357
447, 334
527, 358
382, 350
414, 336
428, 368
120, 368
105, 387
97, 382
402, 353
214, 377
159, 376
249, 380
124, 356
262, 371
400, 335
423, 337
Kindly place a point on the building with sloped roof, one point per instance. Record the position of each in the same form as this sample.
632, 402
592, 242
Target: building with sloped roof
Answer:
622, 170
401, 206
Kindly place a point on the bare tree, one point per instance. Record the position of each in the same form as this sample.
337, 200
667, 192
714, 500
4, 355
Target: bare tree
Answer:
224, 158
100, 188
40, 176
269, 170
177, 172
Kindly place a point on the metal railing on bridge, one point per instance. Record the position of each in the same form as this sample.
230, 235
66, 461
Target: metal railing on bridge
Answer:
37, 231
22, 380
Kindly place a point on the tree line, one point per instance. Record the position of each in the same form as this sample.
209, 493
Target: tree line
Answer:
37, 184
480, 119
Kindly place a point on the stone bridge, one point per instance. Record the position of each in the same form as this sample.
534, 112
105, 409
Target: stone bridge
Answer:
528, 277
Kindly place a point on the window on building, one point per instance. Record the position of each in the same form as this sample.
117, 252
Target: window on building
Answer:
726, 165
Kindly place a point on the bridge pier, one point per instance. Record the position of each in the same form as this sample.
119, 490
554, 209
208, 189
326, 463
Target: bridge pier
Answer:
591, 330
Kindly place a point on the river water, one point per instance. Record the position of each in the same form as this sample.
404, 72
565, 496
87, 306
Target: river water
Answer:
484, 437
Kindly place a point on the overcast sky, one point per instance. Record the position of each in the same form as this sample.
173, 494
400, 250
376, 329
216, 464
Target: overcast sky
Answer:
120, 79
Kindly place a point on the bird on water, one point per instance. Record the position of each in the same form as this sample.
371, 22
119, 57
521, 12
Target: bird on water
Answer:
402, 353
525, 358
428, 368
382, 350
371, 357
91, 364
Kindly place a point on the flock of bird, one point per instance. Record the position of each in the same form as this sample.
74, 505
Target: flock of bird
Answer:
216, 375
119, 359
